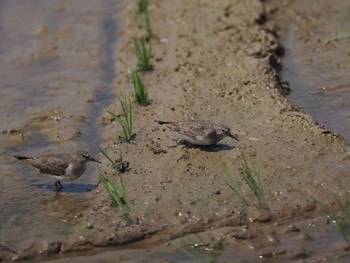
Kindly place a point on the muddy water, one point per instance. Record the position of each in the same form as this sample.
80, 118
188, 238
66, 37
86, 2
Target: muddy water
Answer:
318, 72
57, 75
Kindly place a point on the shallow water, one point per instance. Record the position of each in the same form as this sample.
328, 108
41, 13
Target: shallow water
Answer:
57, 75
318, 73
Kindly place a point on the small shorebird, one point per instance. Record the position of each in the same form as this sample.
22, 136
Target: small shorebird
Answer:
62, 167
199, 132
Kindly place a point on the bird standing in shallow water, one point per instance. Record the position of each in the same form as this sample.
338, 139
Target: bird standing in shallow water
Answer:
61, 167
198, 132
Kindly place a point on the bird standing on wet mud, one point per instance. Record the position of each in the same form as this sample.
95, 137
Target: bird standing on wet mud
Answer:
199, 132
61, 167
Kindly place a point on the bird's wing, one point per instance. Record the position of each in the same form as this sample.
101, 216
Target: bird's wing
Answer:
204, 135
197, 130
49, 164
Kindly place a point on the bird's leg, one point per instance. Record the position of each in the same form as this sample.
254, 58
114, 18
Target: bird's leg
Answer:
58, 186
185, 143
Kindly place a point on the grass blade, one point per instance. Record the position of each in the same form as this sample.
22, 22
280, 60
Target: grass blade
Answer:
336, 37
340, 219
148, 26
116, 189
143, 54
127, 122
236, 188
143, 12
251, 176
139, 88
143, 6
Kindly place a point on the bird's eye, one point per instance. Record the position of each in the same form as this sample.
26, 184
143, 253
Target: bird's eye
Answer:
85, 156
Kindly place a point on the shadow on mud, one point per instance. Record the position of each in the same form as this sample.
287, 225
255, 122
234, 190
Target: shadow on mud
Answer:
216, 148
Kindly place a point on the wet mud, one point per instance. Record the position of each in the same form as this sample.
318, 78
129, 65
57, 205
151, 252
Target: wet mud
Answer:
213, 60
315, 66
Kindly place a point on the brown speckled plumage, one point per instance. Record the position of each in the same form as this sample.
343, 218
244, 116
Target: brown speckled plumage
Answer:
199, 132
66, 167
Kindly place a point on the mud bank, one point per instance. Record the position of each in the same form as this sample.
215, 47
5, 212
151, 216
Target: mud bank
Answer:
213, 60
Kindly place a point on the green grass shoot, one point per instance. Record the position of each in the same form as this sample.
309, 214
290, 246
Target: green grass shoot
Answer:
143, 12
236, 188
148, 26
252, 177
143, 54
336, 37
126, 121
140, 89
143, 6
115, 189
342, 218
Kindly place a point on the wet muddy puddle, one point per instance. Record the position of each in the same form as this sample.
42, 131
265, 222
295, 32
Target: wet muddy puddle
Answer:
57, 65
315, 66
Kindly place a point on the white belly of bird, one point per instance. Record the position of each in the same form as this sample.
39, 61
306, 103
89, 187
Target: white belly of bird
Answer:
72, 173
199, 140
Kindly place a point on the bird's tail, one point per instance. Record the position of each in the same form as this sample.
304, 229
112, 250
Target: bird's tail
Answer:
21, 157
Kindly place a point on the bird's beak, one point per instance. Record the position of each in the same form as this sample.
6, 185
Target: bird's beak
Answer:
232, 136
94, 160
